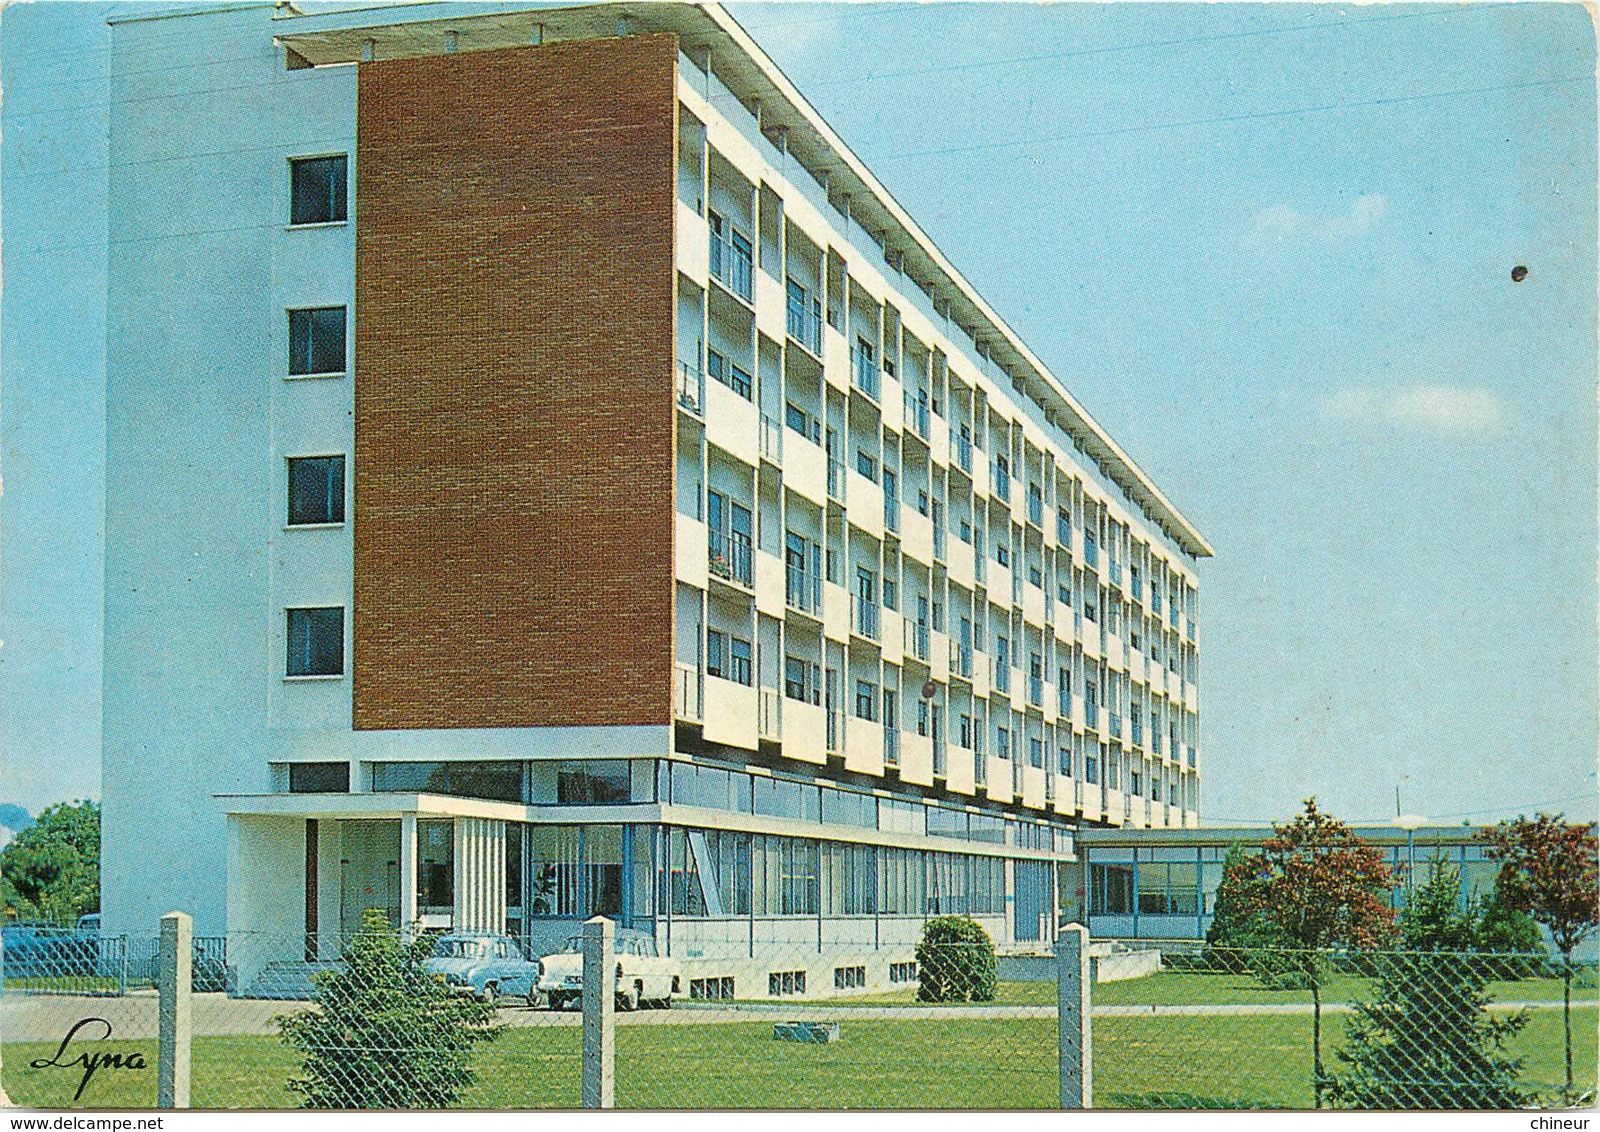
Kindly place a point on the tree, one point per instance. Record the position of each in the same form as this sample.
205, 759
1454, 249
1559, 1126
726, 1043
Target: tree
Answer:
1550, 869
955, 962
1502, 929
52, 868
386, 1034
1320, 886
1428, 1040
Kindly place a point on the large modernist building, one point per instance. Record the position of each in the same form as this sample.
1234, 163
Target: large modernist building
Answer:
596, 495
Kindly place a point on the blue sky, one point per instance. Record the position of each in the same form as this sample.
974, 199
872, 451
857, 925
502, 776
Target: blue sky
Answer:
1268, 246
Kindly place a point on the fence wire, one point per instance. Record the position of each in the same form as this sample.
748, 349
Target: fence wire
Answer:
379, 1020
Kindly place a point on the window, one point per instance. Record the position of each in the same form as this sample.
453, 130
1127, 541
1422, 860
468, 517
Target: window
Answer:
317, 190
319, 778
316, 341
1091, 769
902, 972
866, 697
593, 783
781, 983
740, 672
1064, 756
964, 731
316, 490
1002, 743
891, 594
1002, 554
802, 422
715, 988
866, 465
1036, 753
728, 373
316, 642
800, 680
849, 978
717, 653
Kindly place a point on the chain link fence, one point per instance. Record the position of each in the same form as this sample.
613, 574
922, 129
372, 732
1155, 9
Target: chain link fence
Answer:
379, 1020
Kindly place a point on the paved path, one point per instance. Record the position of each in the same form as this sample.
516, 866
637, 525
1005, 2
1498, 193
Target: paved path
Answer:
47, 1018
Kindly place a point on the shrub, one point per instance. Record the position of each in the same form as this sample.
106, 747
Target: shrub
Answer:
386, 1034
955, 962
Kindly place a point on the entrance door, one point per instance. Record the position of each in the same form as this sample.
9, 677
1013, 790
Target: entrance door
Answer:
369, 871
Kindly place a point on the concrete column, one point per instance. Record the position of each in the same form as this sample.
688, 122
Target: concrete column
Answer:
174, 980
408, 872
1072, 1017
599, 1013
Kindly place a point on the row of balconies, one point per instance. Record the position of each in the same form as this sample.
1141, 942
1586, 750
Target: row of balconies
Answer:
727, 259
743, 716
781, 588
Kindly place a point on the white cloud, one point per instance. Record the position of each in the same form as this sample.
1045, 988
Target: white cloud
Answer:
1282, 224
1443, 409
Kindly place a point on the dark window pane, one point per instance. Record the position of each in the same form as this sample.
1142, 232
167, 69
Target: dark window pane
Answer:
316, 490
316, 642
317, 190
500, 781
593, 783
319, 778
316, 340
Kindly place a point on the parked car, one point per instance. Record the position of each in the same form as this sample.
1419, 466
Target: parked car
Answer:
490, 967
642, 976
26, 947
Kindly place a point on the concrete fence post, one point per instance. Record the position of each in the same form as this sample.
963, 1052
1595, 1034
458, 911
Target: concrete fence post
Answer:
174, 980
1073, 983
599, 1013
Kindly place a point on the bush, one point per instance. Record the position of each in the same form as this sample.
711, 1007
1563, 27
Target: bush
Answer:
955, 962
386, 1034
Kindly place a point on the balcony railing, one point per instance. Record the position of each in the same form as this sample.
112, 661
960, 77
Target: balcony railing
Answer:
805, 324
864, 617
686, 692
917, 414
916, 639
771, 439
730, 557
731, 265
891, 747
804, 591
962, 447
865, 370
835, 479
770, 721
691, 388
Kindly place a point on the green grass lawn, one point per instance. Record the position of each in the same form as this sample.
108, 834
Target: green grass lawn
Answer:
1156, 1062
1189, 988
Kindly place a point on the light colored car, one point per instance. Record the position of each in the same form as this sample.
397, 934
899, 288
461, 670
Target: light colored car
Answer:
489, 967
643, 977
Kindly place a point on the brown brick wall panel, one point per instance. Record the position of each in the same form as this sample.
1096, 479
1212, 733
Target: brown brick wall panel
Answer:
514, 344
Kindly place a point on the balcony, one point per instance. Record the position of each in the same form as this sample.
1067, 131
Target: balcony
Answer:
864, 371
729, 557
770, 724
1036, 691
938, 542
961, 660
916, 640
771, 439
961, 450
891, 513
686, 694
804, 322
836, 479
864, 617
891, 747
1002, 677
731, 265
917, 413
691, 386
803, 591
1002, 484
